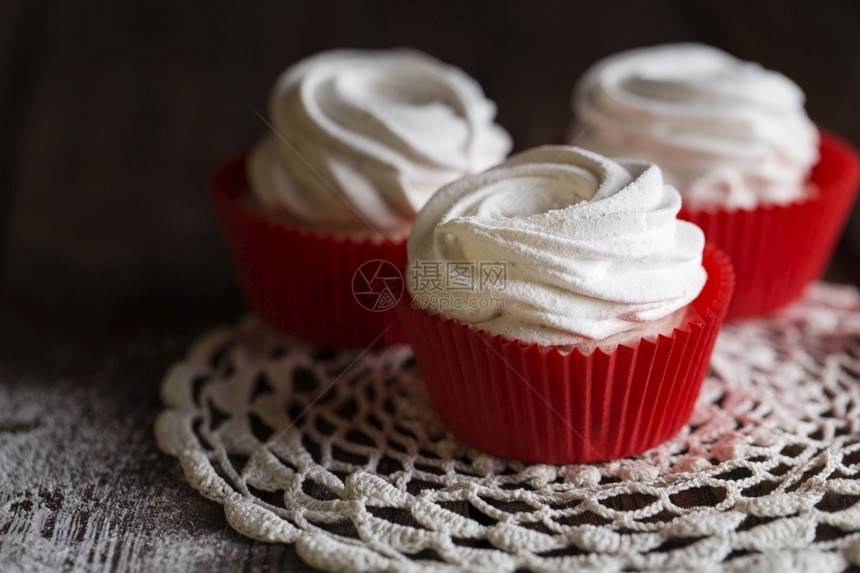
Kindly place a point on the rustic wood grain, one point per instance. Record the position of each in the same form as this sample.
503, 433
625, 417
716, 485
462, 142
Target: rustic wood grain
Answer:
112, 116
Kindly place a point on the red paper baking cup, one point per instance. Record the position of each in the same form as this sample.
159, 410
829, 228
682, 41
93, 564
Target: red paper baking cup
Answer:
538, 404
328, 289
777, 250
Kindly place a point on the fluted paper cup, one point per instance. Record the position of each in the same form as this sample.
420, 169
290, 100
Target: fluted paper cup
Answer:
332, 290
540, 404
777, 250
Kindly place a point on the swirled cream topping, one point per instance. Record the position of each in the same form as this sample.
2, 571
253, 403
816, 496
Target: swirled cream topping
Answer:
724, 131
361, 139
557, 246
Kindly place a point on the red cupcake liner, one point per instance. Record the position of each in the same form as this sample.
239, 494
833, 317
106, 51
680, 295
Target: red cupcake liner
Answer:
777, 250
541, 405
301, 282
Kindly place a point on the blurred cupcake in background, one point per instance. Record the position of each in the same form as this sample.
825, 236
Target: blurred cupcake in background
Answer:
316, 215
765, 184
558, 310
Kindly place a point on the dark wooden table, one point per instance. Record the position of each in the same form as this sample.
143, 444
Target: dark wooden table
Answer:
112, 116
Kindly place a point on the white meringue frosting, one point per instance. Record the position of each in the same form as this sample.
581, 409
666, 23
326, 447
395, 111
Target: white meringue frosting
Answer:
724, 131
363, 138
592, 248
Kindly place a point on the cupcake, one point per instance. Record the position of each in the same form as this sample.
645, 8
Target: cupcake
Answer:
316, 215
558, 309
766, 186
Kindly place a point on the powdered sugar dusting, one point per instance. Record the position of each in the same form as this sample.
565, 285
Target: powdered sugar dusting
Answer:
358, 471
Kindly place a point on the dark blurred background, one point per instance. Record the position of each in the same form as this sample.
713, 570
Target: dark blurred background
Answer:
114, 114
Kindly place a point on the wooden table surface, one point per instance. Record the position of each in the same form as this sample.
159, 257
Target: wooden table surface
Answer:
112, 116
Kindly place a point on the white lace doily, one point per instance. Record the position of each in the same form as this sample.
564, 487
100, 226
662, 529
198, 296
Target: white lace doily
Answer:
340, 453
